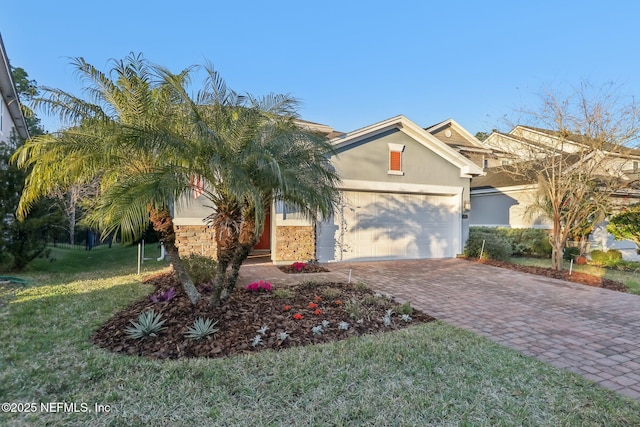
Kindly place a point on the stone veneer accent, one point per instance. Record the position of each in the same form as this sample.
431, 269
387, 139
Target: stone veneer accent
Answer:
195, 239
295, 243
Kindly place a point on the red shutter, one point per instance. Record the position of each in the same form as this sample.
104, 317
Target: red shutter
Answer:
394, 160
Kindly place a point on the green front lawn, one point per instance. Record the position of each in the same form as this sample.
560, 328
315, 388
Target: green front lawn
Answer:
629, 278
432, 374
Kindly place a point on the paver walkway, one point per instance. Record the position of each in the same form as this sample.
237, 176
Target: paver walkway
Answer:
590, 331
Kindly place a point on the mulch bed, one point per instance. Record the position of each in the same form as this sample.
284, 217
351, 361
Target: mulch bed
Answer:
241, 317
576, 277
308, 268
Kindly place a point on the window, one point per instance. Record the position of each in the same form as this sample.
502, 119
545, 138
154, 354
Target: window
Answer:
485, 163
395, 159
635, 166
505, 162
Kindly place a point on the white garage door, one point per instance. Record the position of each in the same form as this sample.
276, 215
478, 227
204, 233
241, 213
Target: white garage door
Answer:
376, 226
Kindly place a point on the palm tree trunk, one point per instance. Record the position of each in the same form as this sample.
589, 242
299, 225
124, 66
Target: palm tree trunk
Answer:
163, 224
180, 272
226, 245
246, 241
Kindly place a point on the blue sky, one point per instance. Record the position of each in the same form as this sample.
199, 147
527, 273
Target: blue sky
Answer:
351, 63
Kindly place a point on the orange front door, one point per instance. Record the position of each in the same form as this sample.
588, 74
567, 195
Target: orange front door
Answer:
265, 238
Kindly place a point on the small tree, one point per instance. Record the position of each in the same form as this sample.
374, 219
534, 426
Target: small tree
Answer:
20, 241
626, 224
126, 136
575, 150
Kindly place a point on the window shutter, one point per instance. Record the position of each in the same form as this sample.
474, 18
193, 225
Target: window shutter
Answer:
394, 160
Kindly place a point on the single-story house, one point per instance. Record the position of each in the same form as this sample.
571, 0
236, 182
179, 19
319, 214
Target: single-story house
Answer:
405, 194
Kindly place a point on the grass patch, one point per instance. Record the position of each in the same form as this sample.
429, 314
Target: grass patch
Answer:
117, 260
630, 278
431, 374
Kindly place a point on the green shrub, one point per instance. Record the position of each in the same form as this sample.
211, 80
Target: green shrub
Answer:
375, 301
310, 284
496, 244
610, 257
615, 256
527, 241
200, 268
284, 293
360, 286
543, 248
570, 253
405, 308
358, 311
331, 293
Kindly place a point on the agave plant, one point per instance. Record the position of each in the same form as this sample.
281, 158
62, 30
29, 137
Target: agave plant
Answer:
202, 328
148, 325
387, 318
283, 336
406, 318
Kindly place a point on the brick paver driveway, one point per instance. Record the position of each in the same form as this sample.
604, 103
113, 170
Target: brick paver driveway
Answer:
590, 331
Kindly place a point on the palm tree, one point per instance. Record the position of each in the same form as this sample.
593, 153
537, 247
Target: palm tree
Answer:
146, 139
269, 159
251, 153
127, 134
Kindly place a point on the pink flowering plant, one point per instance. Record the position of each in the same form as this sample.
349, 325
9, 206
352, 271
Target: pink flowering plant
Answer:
260, 286
299, 266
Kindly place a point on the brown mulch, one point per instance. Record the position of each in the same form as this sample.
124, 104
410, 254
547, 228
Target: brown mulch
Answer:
576, 277
241, 317
309, 268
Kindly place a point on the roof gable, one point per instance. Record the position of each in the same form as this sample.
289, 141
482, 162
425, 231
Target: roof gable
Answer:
420, 135
451, 133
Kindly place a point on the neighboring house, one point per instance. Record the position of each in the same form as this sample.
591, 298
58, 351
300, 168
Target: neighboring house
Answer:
500, 199
404, 194
11, 117
458, 138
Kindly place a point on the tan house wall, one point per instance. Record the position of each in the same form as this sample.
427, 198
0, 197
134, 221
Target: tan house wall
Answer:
195, 239
294, 243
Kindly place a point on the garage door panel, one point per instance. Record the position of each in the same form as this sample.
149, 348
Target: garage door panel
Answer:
371, 225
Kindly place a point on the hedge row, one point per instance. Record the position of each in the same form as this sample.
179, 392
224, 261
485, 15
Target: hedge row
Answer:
502, 243
610, 257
